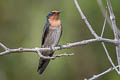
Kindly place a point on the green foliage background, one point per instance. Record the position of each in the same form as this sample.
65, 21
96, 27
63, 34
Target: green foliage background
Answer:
21, 25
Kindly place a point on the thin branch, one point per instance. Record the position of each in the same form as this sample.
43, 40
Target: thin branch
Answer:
64, 54
109, 58
85, 19
96, 36
106, 51
53, 57
100, 4
84, 42
3, 46
112, 18
118, 56
114, 26
103, 10
101, 74
116, 42
104, 24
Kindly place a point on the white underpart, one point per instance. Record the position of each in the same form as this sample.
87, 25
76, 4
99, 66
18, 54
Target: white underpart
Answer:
56, 35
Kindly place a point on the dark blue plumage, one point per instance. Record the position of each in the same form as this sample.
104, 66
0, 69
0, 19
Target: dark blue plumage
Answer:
50, 38
45, 31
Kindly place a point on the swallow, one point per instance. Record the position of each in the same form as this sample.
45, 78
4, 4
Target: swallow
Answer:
50, 38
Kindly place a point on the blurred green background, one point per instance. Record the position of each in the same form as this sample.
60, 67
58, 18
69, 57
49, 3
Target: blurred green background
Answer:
21, 25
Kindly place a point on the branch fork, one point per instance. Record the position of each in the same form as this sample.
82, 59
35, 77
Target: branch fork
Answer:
115, 31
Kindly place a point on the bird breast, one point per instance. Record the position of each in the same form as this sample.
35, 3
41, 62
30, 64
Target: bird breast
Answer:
53, 36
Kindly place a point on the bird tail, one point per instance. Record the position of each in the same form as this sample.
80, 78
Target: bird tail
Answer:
43, 64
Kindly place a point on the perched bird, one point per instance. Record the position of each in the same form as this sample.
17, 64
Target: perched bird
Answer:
50, 38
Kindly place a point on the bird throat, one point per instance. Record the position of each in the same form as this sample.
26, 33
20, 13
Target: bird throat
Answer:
55, 23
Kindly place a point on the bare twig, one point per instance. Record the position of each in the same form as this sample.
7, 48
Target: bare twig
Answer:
104, 25
84, 42
114, 26
109, 58
85, 19
103, 10
112, 18
116, 42
101, 74
64, 54
53, 57
100, 4
106, 51
3, 46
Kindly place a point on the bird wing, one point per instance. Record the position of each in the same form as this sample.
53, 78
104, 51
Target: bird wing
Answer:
45, 32
61, 31
60, 34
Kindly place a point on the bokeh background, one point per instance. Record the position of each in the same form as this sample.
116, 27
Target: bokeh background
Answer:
21, 25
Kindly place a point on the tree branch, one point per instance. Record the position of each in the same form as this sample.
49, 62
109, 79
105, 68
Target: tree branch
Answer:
85, 19
104, 24
100, 4
53, 57
3, 46
101, 74
115, 42
112, 18
68, 45
106, 51
114, 27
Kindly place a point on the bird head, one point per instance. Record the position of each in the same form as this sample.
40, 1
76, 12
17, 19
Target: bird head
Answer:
54, 15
